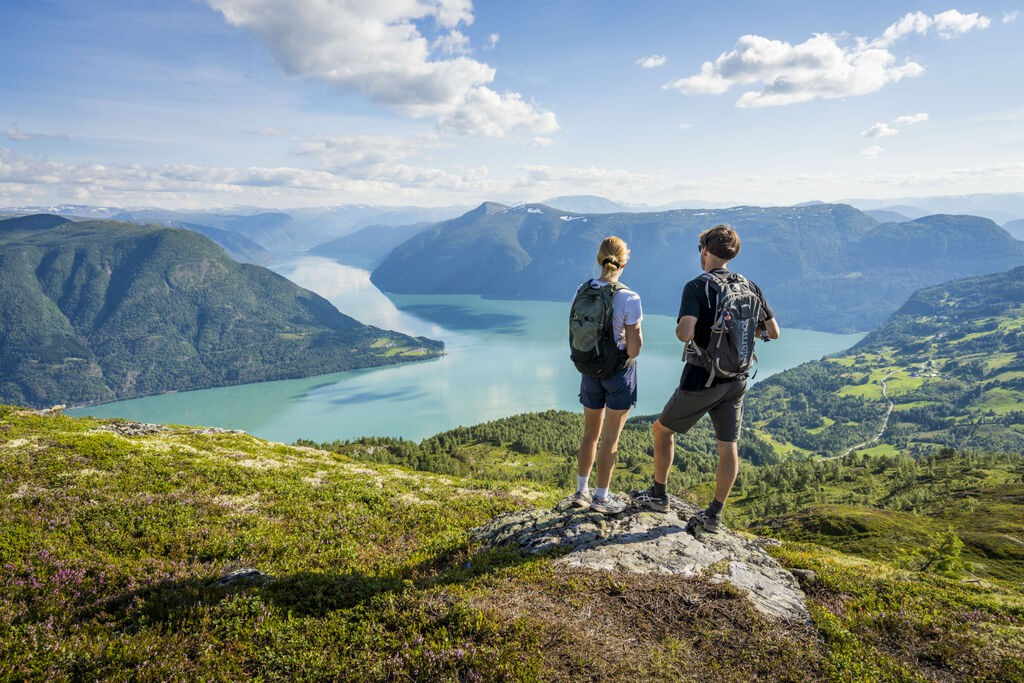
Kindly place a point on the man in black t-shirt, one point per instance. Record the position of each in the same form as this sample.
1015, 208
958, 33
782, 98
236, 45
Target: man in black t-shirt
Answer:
722, 399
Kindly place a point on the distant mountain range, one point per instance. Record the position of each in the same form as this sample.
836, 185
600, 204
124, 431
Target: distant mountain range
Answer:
825, 267
1000, 208
273, 230
369, 246
100, 310
1015, 228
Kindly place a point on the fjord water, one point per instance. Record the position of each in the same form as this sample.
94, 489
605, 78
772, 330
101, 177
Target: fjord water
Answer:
503, 358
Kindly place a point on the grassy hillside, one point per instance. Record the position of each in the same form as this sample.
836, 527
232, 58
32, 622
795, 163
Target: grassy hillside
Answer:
114, 537
99, 310
950, 362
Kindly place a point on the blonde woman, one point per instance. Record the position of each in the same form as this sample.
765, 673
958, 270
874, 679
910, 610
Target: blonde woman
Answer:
607, 393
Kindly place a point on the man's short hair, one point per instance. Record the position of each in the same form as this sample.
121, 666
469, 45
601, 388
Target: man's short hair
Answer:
721, 241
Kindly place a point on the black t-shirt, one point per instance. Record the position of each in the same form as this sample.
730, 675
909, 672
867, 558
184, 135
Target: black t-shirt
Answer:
700, 302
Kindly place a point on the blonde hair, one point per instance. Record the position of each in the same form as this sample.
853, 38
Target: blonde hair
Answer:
612, 255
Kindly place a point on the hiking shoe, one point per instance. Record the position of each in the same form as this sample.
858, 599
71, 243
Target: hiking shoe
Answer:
607, 506
581, 499
646, 500
705, 522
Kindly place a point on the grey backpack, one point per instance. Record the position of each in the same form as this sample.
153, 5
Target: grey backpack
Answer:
592, 344
738, 312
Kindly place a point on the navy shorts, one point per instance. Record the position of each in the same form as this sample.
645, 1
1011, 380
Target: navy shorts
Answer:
617, 392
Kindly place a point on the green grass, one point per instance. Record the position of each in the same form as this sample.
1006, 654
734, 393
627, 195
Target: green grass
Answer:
111, 544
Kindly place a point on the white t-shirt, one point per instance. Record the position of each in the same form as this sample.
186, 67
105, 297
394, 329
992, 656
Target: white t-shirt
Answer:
626, 310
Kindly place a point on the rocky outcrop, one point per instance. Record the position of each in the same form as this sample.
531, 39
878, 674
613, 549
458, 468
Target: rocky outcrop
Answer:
647, 542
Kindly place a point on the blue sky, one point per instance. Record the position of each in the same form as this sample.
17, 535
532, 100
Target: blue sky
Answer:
284, 103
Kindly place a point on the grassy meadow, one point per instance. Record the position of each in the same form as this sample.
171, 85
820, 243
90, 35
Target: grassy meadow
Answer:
115, 539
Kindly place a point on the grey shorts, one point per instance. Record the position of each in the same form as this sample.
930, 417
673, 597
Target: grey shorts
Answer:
723, 402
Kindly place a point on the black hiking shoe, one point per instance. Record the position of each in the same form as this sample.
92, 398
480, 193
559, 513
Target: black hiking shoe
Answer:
702, 521
646, 500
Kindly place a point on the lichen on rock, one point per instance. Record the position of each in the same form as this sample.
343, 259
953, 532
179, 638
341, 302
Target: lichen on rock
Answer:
645, 542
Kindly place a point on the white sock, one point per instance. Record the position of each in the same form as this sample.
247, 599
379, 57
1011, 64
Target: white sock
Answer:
600, 493
581, 482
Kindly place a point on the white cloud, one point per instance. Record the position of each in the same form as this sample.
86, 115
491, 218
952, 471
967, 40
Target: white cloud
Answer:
910, 119
18, 135
819, 67
651, 62
492, 41
452, 43
948, 24
269, 132
879, 130
542, 142
377, 49
367, 156
187, 184
1009, 17
872, 152
686, 126
488, 113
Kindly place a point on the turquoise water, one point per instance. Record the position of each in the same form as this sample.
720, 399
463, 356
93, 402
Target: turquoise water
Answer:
503, 358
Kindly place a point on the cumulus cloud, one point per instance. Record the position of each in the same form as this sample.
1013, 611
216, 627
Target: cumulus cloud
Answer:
1009, 17
651, 62
489, 113
879, 130
542, 142
872, 152
820, 67
948, 24
377, 49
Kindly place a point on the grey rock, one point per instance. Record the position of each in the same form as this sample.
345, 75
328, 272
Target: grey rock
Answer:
645, 542
246, 575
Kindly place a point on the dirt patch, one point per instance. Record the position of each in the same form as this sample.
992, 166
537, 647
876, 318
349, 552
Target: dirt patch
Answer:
604, 626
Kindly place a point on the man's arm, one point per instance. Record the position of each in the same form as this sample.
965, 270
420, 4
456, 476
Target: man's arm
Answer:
685, 328
771, 326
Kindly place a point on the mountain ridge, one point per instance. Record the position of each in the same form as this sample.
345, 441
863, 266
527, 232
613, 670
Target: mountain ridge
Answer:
99, 310
824, 267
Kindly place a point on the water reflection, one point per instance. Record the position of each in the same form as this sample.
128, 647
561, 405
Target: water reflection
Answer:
463, 318
352, 293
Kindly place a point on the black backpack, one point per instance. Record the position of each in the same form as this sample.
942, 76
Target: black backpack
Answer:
592, 344
738, 312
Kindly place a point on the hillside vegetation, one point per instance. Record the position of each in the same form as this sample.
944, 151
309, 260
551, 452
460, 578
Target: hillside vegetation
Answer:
119, 543
946, 370
825, 267
99, 310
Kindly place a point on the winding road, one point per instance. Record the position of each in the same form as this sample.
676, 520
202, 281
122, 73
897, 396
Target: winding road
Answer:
881, 430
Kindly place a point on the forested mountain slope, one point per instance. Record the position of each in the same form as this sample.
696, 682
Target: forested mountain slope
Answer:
826, 267
100, 310
950, 362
